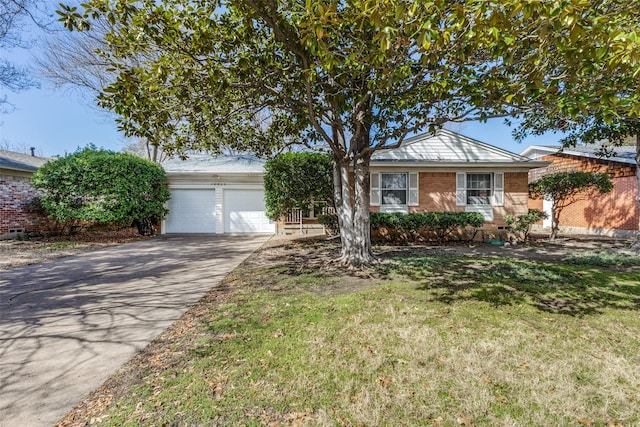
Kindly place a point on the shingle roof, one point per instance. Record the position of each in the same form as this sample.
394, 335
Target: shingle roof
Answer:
623, 154
202, 163
19, 161
446, 148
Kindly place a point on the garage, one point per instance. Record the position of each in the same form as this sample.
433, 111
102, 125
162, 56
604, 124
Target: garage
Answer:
216, 194
191, 211
244, 212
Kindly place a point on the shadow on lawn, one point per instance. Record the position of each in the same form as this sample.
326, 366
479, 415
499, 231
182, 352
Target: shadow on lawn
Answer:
554, 288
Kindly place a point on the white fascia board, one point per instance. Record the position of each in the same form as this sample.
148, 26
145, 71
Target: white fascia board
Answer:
542, 148
460, 165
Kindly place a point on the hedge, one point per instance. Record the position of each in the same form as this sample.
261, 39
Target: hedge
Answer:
415, 226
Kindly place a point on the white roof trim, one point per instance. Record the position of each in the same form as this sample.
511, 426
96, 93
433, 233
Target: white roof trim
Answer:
447, 148
529, 151
215, 165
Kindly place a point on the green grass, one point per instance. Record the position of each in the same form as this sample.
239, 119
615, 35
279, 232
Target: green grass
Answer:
430, 340
56, 246
604, 258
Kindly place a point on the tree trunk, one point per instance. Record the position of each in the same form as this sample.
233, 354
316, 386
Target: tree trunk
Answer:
352, 210
144, 226
636, 243
555, 221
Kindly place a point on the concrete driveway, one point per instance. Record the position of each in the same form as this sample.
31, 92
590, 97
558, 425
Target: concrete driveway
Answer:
67, 325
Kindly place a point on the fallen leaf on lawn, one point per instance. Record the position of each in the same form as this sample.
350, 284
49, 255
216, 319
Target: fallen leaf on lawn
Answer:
464, 420
384, 382
437, 421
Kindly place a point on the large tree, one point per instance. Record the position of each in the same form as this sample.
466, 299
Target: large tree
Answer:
355, 75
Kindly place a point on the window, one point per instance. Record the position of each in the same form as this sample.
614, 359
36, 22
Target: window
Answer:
394, 188
398, 189
479, 189
480, 192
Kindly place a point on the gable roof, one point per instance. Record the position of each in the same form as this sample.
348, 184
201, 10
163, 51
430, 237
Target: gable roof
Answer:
624, 154
20, 162
447, 148
203, 163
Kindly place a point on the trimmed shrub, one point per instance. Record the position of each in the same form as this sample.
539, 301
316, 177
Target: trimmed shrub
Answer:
425, 225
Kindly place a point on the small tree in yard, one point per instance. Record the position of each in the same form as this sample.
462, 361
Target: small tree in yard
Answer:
566, 188
296, 180
100, 186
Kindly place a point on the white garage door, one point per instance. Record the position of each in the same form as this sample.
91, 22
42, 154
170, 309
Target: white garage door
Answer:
191, 211
244, 212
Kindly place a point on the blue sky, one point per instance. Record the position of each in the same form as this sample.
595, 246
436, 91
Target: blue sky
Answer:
58, 122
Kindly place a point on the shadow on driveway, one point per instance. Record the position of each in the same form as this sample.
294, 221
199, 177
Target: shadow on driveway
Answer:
66, 325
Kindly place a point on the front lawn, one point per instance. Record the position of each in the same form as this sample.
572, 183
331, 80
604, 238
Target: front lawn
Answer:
430, 337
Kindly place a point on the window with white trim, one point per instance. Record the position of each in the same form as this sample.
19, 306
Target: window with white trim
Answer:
480, 192
394, 189
479, 188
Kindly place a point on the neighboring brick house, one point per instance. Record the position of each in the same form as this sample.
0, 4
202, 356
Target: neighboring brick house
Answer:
613, 214
16, 191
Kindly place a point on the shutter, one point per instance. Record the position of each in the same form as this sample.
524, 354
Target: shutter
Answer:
461, 189
413, 189
374, 195
498, 189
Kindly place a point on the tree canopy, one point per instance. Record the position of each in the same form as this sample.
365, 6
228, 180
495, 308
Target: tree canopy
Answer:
96, 185
605, 128
353, 75
296, 180
566, 188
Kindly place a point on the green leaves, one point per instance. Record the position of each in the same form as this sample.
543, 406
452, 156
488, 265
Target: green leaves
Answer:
96, 185
194, 73
566, 188
296, 180
563, 185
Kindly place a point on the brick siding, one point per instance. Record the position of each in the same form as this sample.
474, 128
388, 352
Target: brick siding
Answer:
437, 193
617, 210
15, 193
516, 196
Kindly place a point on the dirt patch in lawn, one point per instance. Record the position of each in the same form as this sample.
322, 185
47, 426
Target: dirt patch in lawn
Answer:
16, 253
276, 263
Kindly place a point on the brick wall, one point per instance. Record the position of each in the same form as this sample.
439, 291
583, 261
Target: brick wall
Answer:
617, 210
516, 196
561, 162
15, 192
437, 193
